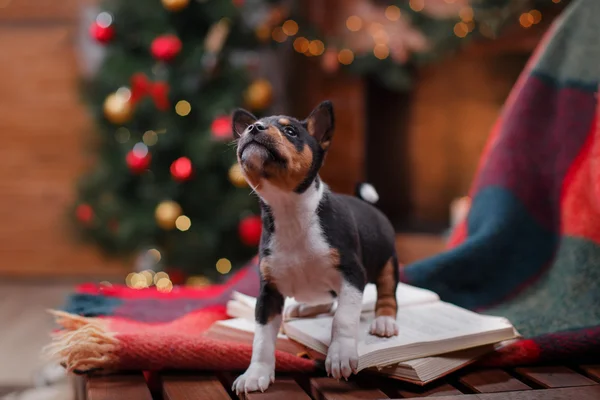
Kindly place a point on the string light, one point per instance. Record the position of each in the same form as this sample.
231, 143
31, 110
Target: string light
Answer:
417, 5
140, 150
155, 254
393, 13
345, 56
537, 16
124, 93
263, 32
461, 29
354, 23
164, 285
197, 281
316, 47
160, 275
290, 27
278, 35
381, 51
223, 266
183, 108
301, 44
148, 275
466, 14
183, 223
136, 281
150, 138
526, 20
380, 37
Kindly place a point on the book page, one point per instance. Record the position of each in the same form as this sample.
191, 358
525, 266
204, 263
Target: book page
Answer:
405, 294
429, 322
242, 324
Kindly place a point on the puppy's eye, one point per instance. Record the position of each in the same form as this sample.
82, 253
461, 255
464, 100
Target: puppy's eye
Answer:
290, 131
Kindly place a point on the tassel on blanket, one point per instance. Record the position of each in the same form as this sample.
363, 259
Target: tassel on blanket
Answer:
90, 345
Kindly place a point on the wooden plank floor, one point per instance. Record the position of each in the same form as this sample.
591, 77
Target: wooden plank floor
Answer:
25, 328
552, 382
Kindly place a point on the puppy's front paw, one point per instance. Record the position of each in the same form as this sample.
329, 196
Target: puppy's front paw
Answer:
384, 326
342, 358
258, 376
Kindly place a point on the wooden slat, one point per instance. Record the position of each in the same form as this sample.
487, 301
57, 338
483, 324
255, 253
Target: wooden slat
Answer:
118, 387
574, 393
330, 389
442, 390
555, 377
491, 381
283, 388
189, 387
592, 370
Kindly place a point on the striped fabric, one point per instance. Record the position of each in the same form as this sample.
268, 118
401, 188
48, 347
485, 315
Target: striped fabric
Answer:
529, 249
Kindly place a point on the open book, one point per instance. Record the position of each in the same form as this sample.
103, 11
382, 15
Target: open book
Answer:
242, 306
435, 337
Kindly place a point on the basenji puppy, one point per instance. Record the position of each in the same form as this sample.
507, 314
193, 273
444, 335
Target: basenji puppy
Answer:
316, 246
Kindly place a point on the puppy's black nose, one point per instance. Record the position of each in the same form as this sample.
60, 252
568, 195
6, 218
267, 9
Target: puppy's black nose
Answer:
256, 128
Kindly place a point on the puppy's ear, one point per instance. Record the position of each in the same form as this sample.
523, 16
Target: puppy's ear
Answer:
240, 120
320, 123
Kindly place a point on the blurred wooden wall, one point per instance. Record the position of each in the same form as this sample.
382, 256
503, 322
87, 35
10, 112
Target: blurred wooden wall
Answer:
43, 126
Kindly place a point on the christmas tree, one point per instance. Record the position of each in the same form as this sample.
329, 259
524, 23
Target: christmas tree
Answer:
165, 184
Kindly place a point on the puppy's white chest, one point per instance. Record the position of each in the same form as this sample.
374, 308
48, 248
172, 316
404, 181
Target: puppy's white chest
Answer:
303, 266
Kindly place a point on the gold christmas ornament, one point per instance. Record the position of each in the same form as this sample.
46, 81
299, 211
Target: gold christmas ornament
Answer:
236, 177
175, 5
117, 108
166, 214
259, 95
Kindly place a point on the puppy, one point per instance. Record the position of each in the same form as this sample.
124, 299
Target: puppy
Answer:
316, 245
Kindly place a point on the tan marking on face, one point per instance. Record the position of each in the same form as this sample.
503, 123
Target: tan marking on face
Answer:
284, 121
334, 256
298, 163
386, 304
265, 271
310, 127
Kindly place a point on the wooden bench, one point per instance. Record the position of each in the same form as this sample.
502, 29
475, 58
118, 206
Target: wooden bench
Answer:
534, 383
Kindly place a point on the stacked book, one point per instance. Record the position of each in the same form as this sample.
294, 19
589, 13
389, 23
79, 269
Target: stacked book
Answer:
435, 337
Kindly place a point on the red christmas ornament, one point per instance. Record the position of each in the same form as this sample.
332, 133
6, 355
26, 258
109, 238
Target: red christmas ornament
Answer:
250, 229
181, 169
221, 127
166, 47
84, 213
102, 34
137, 162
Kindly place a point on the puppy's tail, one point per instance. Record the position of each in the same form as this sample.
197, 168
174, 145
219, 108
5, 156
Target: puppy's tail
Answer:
365, 191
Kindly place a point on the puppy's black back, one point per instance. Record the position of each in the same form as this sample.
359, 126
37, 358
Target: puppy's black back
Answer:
350, 225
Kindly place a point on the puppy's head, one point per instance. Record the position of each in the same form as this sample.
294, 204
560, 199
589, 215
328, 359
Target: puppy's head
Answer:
284, 151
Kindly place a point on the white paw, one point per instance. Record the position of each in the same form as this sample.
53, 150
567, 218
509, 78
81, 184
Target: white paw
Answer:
342, 358
257, 377
384, 326
300, 310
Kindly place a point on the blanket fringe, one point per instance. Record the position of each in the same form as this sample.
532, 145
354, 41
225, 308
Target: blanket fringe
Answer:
83, 345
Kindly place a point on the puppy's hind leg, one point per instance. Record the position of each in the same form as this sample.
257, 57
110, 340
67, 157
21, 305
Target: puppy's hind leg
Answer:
384, 324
